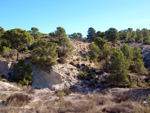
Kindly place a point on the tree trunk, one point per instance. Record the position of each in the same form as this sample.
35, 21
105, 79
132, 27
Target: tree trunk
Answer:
17, 55
137, 81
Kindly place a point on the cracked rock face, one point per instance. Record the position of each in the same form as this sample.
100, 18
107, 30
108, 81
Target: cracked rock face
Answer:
5, 67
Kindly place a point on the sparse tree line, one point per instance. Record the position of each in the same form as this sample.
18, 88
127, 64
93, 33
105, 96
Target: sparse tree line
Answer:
127, 35
118, 61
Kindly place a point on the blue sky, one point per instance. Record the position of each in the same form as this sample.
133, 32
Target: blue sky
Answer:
74, 15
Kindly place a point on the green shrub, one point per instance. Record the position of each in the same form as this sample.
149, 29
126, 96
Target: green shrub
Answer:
26, 49
132, 84
92, 84
87, 57
148, 99
23, 73
3, 76
82, 75
94, 51
66, 46
60, 94
44, 54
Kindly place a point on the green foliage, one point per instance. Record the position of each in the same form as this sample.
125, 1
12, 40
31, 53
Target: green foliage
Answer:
3, 76
52, 34
147, 41
134, 58
138, 66
18, 38
100, 42
5, 43
91, 33
82, 75
80, 35
23, 73
1, 31
136, 53
118, 67
61, 94
127, 51
35, 33
139, 37
148, 99
66, 47
44, 54
105, 52
132, 84
60, 32
92, 84
26, 49
145, 33
5, 51
74, 36
119, 79
87, 57
112, 35
94, 51
118, 64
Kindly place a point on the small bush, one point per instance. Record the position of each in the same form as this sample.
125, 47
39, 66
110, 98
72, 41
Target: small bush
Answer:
92, 84
82, 75
3, 76
132, 84
26, 49
60, 94
67, 91
23, 73
87, 57
17, 99
148, 99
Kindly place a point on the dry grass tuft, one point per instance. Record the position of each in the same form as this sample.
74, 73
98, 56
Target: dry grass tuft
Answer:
117, 109
17, 99
121, 98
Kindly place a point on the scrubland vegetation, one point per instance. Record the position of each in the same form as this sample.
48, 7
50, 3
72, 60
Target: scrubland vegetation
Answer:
108, 51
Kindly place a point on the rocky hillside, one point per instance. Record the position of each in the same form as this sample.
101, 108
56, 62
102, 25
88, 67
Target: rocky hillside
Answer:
62, 76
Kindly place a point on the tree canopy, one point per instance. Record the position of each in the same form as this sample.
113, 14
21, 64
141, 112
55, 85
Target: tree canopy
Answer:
127, 51
60, 32
91, 33
66, 46
112, 34
94, 51
118, 67
35, 33
23, 73
1, 31
18, 38
44, 54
